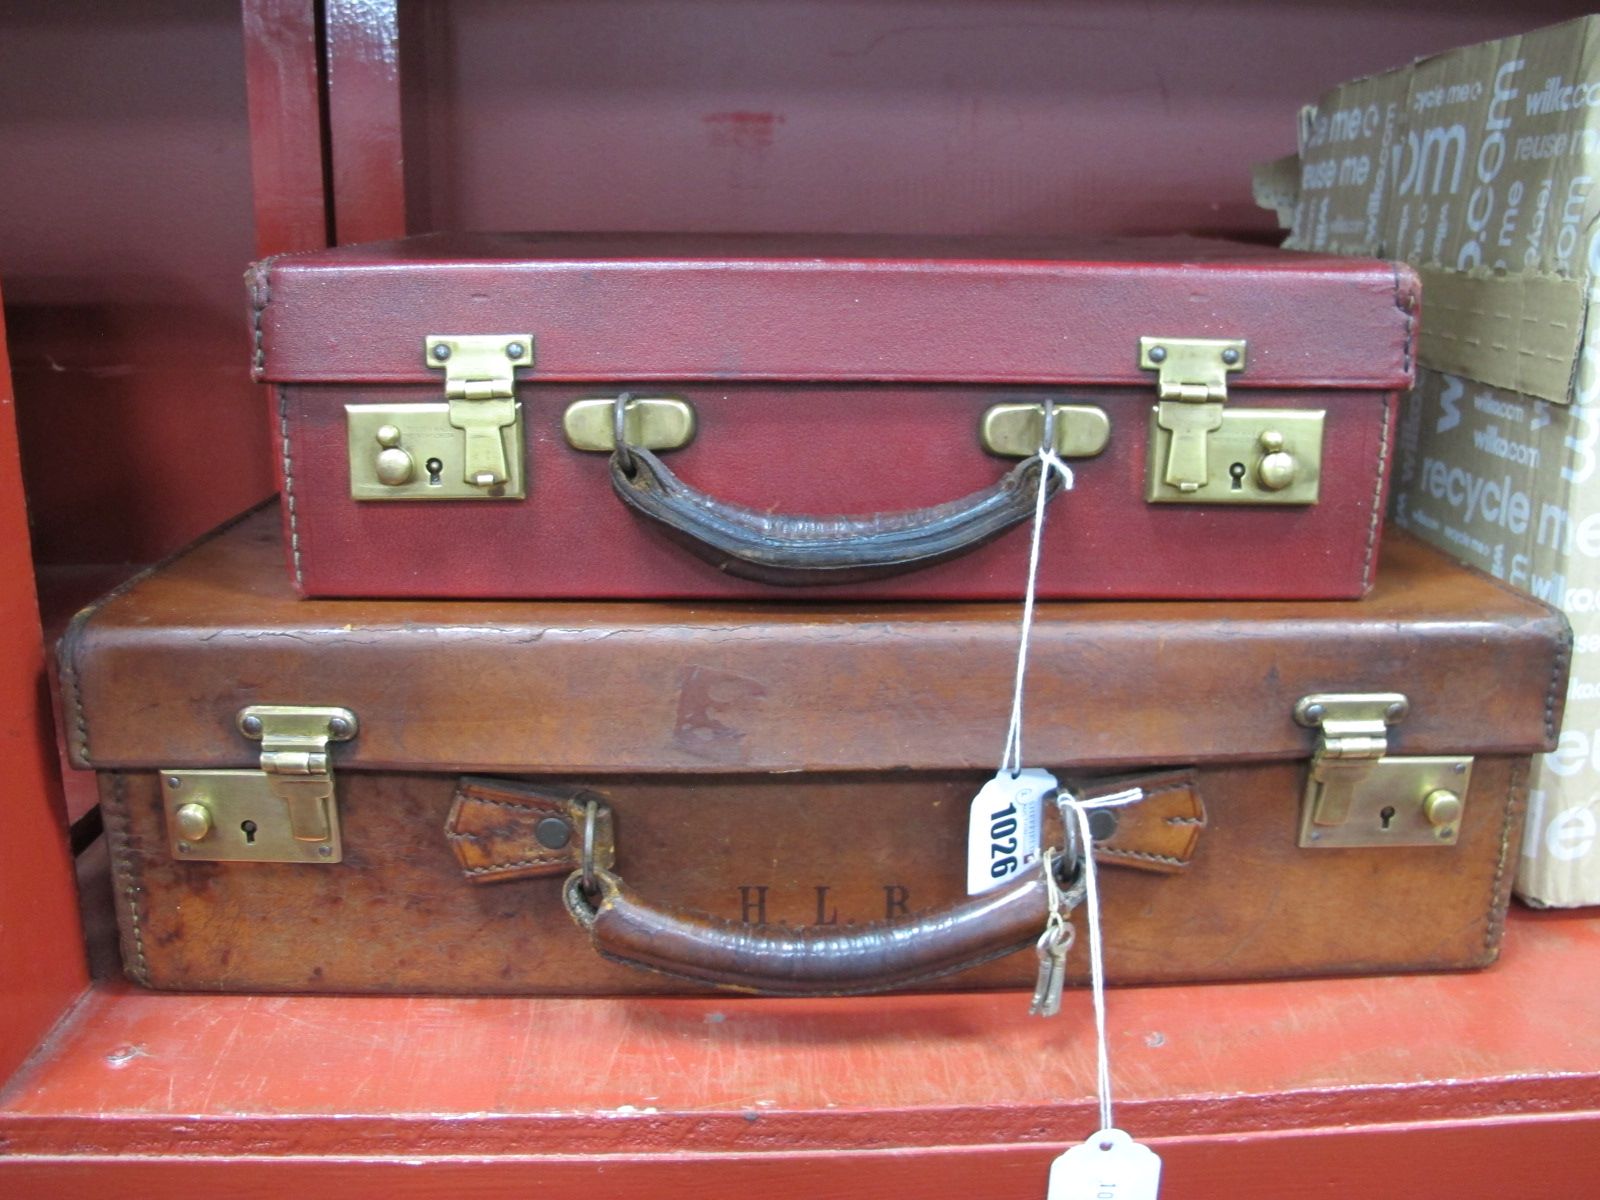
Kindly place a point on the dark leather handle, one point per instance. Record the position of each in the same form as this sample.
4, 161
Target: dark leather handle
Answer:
808, 550
810, 961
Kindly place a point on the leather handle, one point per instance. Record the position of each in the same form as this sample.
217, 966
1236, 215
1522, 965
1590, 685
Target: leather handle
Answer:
812, 961
800, 551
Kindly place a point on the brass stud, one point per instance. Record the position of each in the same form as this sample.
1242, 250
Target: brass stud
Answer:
1442, 807
1278, 468
193, 821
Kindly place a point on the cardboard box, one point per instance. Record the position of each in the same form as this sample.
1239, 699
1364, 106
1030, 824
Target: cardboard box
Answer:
1512, 486
1481, 167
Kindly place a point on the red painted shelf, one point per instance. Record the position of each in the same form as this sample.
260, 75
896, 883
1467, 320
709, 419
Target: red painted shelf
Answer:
948, 1095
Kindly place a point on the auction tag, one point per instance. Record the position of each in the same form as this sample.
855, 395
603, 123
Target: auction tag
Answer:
1003, 827
1109, 1166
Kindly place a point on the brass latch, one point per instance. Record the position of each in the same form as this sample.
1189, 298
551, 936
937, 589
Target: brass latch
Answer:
283, 812
469, 447
480, 385
1358, 794
1192, 384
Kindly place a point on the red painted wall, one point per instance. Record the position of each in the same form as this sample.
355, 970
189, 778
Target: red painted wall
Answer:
125, 205
1015, 116
124, 234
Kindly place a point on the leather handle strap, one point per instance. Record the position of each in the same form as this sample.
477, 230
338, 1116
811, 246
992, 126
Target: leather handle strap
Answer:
810, 961
799, 551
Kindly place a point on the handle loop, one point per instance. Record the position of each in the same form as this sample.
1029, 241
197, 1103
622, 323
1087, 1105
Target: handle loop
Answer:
803, 551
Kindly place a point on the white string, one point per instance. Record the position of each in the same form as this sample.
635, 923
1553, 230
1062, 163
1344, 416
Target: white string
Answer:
1077, 811
1049, 460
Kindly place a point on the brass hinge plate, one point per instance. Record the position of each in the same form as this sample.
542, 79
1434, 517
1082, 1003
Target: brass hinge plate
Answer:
650, 422
1259, 456
1015, 430
1358, 795
284, 812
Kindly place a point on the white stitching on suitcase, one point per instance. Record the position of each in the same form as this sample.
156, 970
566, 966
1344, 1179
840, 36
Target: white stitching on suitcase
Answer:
1552, 694
553, 856
260, 291
1377, 494
1499, 891
80, 723
288, 490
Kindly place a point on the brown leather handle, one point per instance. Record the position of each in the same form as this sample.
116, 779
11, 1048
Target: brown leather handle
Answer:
799, 551
813, 961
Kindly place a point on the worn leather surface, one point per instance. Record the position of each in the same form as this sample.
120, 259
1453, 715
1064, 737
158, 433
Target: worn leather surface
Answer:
493, 828
1159, 833
819, 449
156, 675
815, 960
831, 377
752, 755
653, 307
493, 825
397, 915
811, 551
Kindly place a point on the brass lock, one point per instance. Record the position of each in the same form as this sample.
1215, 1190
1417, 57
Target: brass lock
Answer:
286, 811
1358, 795
470, 447
1202, 450
1254, 456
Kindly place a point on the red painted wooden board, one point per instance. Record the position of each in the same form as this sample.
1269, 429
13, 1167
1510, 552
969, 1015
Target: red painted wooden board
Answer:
1398, 1087
41, 960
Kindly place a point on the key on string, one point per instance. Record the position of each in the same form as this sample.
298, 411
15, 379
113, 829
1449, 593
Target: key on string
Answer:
1053, 945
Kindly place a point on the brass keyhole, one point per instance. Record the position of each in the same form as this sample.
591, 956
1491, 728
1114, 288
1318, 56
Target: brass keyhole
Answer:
1386, 815
248, 828
1237, 471
435, 470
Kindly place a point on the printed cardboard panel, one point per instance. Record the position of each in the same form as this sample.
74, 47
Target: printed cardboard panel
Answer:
1346, 141
1512, 486
1483, 161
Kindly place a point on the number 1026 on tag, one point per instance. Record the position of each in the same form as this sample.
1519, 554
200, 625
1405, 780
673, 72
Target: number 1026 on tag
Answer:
1003, 827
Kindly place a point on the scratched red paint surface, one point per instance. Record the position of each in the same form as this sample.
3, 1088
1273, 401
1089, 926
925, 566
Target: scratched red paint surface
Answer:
374, 1076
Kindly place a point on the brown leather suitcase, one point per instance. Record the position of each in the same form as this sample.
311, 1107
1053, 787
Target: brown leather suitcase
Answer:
406, 796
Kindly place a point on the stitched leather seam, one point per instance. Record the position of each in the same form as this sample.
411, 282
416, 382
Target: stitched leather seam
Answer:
1200, 821
1141, 854
1369, 564
69, 685
480, 798
1408, 344
125, 863
1552, 695
501, 868
260, 291
288, 489
1499, 888
477, 840
550, 858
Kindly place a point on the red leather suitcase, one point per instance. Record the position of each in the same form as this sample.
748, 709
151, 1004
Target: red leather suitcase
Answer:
449, 408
